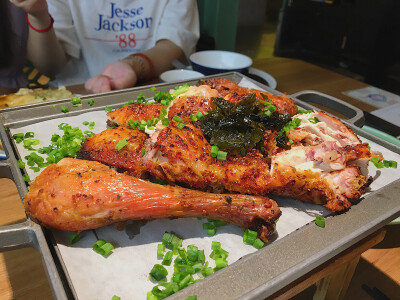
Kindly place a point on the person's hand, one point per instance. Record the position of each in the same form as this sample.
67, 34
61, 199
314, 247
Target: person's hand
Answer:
115, 76
35, 8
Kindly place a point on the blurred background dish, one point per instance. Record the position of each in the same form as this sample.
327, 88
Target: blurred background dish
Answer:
217, 61
179, 74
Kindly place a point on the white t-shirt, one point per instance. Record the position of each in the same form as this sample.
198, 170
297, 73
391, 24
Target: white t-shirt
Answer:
97, 33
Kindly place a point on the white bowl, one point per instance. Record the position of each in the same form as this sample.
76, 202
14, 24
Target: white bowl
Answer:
179, 74
218, 61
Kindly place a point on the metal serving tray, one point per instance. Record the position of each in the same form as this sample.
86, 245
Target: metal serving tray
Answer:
254, 276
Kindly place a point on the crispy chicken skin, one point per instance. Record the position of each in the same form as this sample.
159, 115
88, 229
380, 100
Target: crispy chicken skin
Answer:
136, 111
186, 105
183, 156
76, 195
231, 91
101, 147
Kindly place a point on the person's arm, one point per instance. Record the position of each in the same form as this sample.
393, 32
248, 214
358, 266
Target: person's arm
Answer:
44, 50
125, 73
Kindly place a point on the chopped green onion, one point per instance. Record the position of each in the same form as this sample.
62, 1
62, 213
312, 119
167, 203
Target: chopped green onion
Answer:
193, 117
26, 178
249, 236
194, 297
20, 164
29, 135
151, 296
220, 263
177, 119
160, 250
153, 89
85, 123
158, 272
268, 113
74, 237
64, 109
258, 244
91, 102
180, 125
54, 106
107, 109
167, 260
76, 101
171, 241
214, 151
320, 221
121, 144
115, 298
221, 155
102, 247
314, 120
199, 115
165, 121
143, 152
211, 232
301, 111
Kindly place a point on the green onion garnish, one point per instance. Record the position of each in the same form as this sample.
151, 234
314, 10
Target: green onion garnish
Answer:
221, 155
107, 109
320, 221
64, 109
20, 164
194, 297
121, 144
199, 115
26, 178
91, 102
85, 123
214, 151
160, 250
76, 101
143, 152
167, 260
115, 298
180, 125
177, 119
171, 241
158, 272
258, 244
74, 237
301, 111
249, 236
153, 89
102, 247
165, 121
314, 120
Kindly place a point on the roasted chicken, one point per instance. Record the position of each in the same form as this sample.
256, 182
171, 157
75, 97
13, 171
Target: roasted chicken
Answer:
311, 157
325, 163
76, 195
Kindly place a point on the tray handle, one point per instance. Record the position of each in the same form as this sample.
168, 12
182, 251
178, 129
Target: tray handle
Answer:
16, 235
355, 115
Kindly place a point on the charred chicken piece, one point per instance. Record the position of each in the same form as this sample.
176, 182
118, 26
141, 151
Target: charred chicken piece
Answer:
137, 111
102, 148
76, 195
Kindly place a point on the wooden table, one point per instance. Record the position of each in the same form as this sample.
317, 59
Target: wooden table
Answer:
21, 272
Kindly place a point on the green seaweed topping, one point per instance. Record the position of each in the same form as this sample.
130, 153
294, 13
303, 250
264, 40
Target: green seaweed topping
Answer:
240, 126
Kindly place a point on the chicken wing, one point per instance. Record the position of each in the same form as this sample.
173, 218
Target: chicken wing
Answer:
102, 148
76, 195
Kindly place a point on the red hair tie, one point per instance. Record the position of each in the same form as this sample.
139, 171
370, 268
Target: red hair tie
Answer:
40, 30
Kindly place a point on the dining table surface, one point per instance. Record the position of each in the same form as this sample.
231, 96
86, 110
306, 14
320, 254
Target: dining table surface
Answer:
22, 275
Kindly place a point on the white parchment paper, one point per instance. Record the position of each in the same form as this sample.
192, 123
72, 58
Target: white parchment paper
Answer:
125, 271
